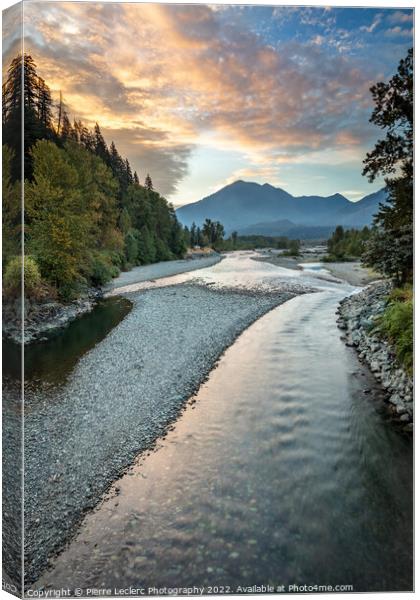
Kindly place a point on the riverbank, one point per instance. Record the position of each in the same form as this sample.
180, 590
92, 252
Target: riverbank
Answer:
122, 395
351, 272
44, 318
261, 475
357, 315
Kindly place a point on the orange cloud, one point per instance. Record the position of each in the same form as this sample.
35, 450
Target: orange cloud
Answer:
161, 76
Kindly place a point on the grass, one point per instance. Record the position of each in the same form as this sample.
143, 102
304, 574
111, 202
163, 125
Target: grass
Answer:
396, 325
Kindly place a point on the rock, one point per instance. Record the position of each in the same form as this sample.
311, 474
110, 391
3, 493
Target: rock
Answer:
357, 316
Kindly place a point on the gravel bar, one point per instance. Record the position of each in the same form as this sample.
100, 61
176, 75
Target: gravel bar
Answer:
119, 399
161, 269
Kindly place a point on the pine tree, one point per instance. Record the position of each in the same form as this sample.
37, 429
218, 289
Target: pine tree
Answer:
65, 131
36, 99
128, 173
148, 183
44, 103
101, 149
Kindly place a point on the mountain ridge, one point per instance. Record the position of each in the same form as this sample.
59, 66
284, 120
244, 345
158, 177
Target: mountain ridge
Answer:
243, 205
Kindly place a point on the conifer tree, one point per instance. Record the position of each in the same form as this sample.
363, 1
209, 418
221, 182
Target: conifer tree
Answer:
101, 149
148, 183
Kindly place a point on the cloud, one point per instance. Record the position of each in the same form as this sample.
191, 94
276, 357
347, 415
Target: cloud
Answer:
370, 28
401, 17
158, 78
399, 32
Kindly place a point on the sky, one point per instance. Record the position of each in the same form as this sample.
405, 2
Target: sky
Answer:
202, 95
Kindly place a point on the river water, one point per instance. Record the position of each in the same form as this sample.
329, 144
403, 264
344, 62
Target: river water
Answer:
281, 471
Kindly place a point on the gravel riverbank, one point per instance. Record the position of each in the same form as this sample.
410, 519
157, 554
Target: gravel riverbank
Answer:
352, 272
162, 269
357, 315
121, 396
41, 318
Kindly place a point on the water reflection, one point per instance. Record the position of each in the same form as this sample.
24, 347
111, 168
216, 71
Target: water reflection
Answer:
281, 472
51, 361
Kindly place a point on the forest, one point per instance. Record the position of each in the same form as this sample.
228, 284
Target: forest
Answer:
86, 214
347, 245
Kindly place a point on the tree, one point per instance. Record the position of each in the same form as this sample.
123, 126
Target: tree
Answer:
11, 221
86, 215
234, 238
148, 183
393, 158
57, 229
25, 94
193, 235
44, 104
213, 231
101, 149
294, 248
65, 130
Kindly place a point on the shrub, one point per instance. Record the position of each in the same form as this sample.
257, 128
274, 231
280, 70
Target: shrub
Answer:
102, 269
396, 324
13, 276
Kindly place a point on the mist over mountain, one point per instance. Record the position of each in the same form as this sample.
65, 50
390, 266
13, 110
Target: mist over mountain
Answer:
251, 208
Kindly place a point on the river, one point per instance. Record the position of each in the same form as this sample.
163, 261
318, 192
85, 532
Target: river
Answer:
280, 471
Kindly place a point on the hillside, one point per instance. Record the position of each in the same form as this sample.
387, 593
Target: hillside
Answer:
249, 208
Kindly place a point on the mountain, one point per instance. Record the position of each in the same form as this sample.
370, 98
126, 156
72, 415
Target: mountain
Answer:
250, 208
289, 229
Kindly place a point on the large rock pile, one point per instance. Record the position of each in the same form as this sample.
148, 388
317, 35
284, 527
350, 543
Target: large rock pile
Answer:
357, 317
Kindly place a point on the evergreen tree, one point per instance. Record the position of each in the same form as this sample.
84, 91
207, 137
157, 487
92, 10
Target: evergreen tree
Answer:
65, 130
393, 156
44, 104
128, 174
148, 183
193, 235
86, 214
101, 149
36, 100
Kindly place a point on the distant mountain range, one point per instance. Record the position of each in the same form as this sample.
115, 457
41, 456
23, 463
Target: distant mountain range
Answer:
251, 208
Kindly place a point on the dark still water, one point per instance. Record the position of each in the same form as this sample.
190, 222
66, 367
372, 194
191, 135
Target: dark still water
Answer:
51, 361
283, 472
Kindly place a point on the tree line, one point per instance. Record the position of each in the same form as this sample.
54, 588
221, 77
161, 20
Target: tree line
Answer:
347, 245
87, 216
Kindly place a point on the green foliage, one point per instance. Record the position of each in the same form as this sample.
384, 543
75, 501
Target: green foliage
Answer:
293, 249
347, 245
213, 232
390, 250
86, 214
249, 242
12, 280
131, 247
396, 324
12, 214
102, 269
58, 221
